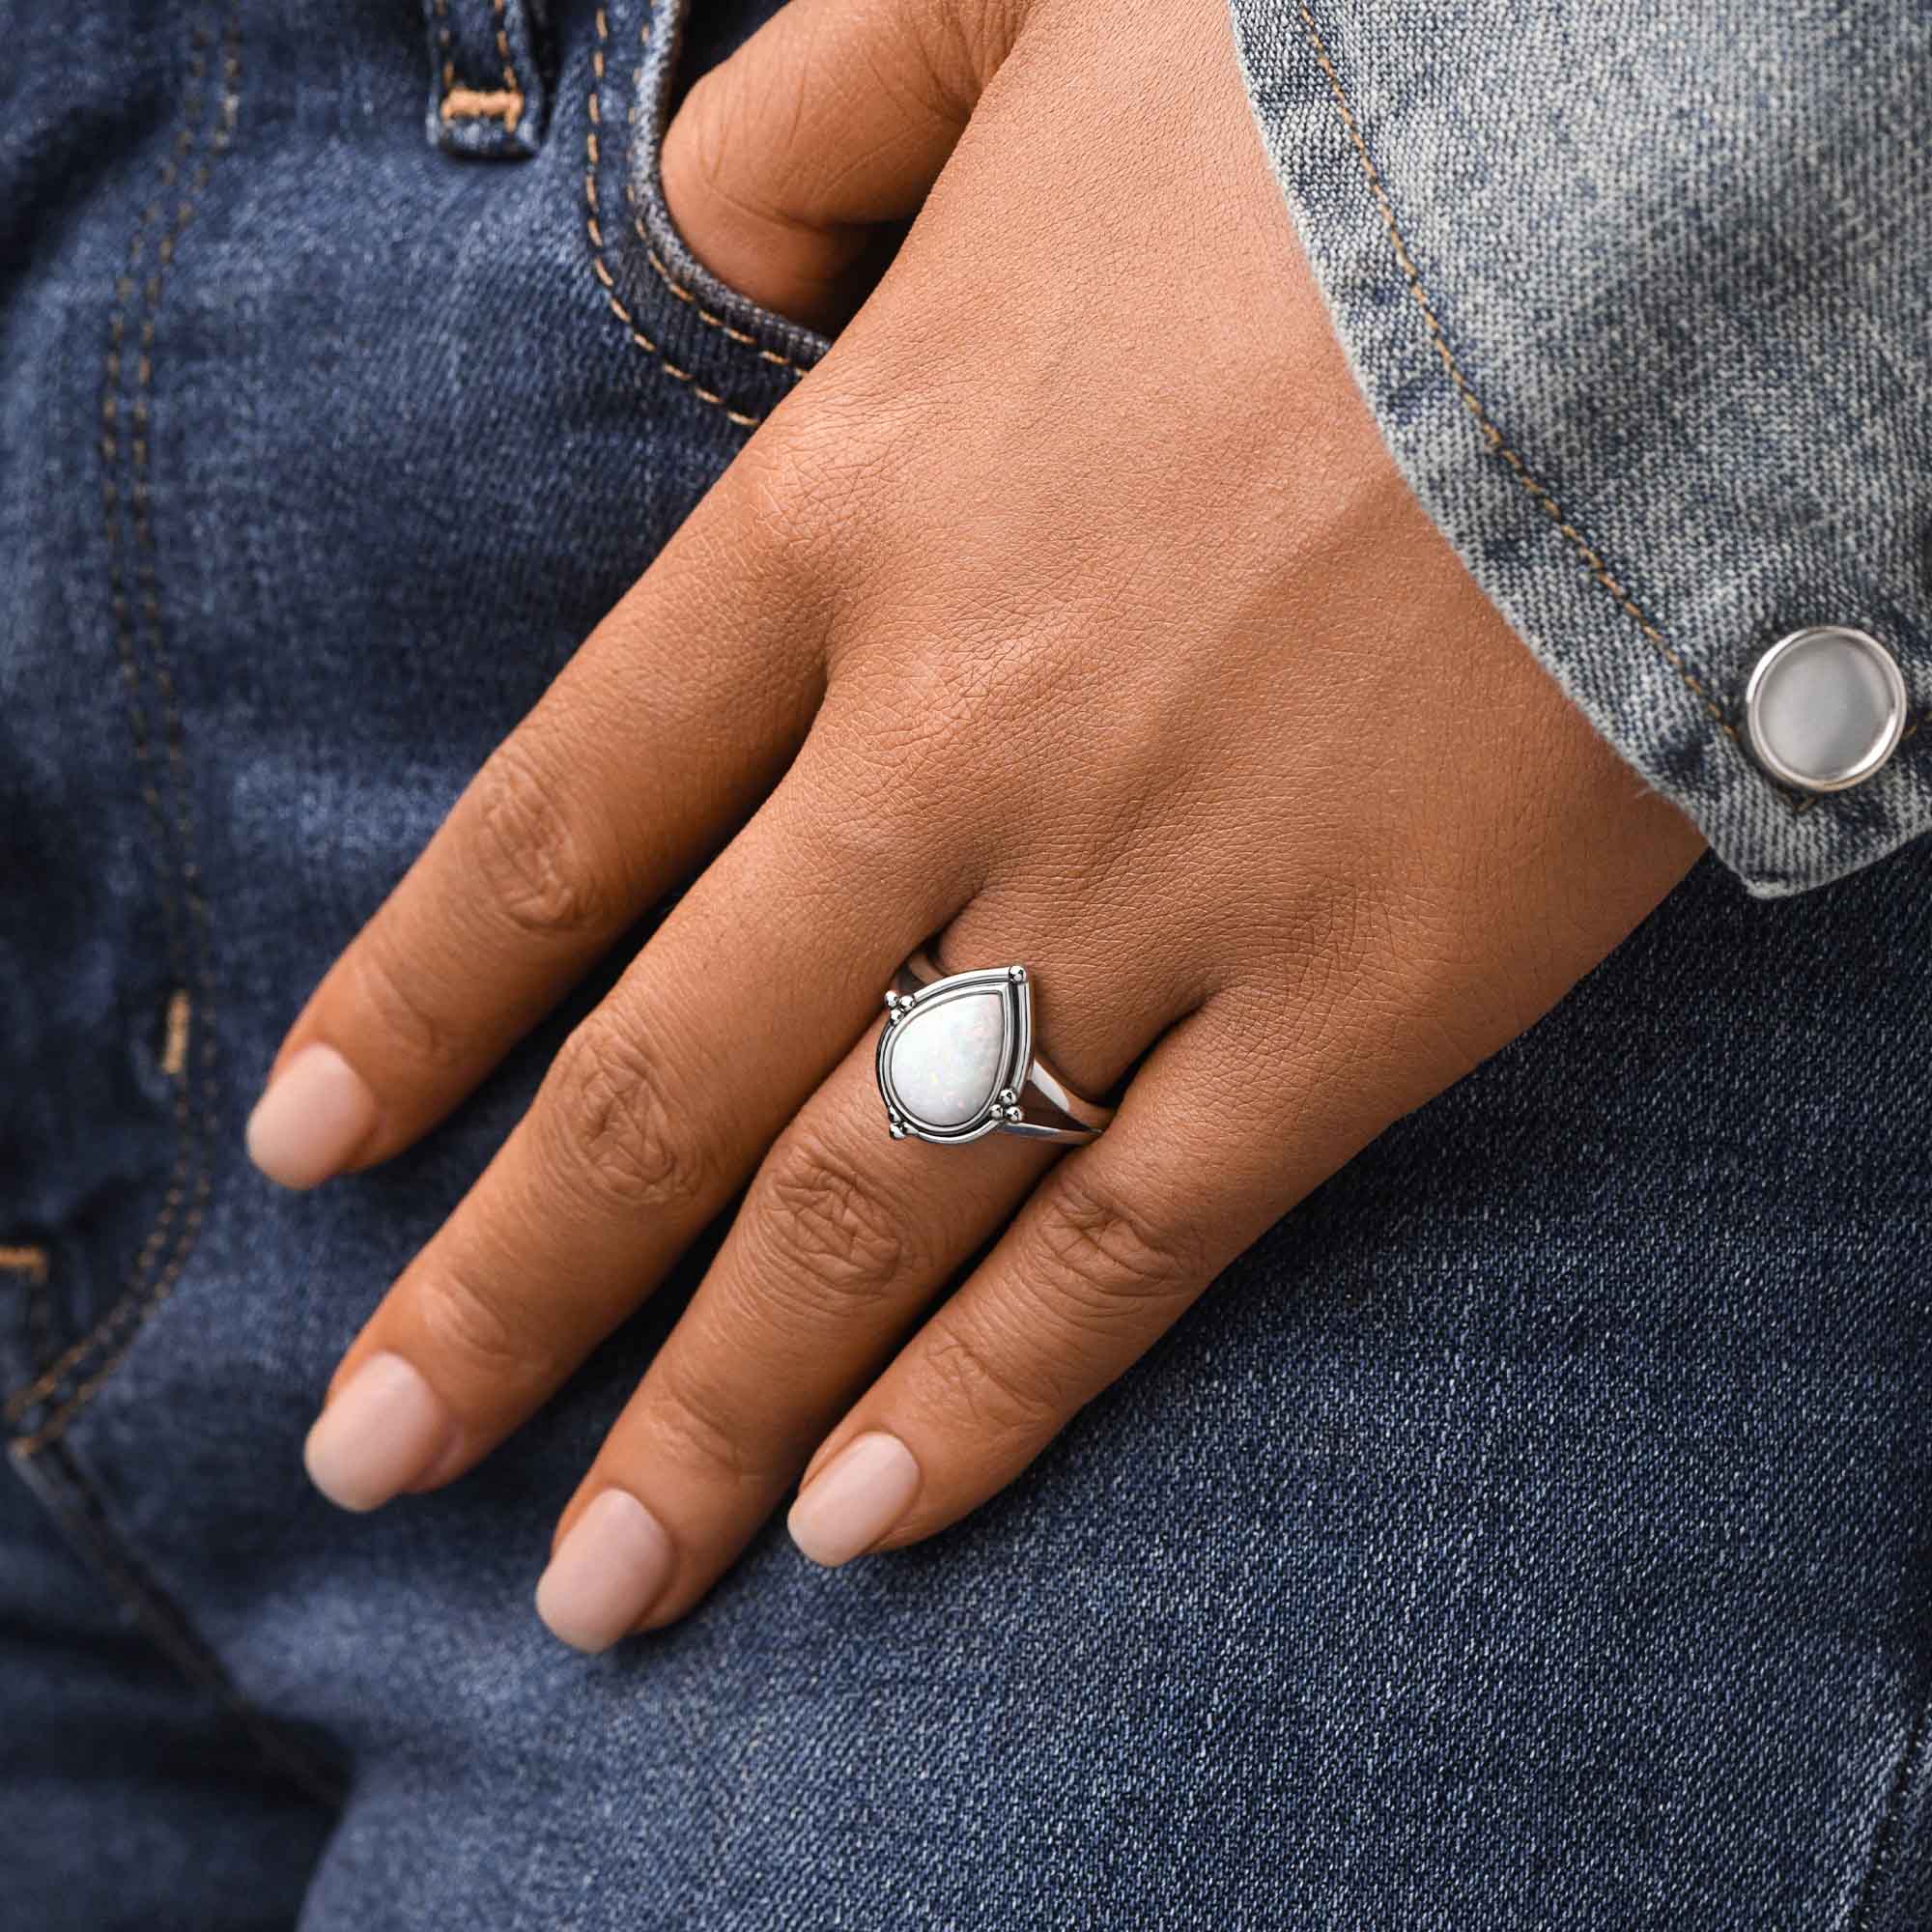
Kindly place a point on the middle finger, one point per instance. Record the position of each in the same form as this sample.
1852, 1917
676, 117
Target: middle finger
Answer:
651, 1118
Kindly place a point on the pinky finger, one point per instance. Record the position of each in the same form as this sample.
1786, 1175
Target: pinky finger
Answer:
1113, 1246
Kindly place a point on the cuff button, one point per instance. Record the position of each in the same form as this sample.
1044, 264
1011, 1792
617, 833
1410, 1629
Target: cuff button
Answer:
1825, 708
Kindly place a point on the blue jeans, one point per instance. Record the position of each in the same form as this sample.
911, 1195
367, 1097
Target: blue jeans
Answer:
1531, 1531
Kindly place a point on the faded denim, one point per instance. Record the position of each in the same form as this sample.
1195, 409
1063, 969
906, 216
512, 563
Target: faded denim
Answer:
1639, 295
1531, 1532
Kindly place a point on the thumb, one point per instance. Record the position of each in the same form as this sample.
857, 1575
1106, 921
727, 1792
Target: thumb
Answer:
790, 162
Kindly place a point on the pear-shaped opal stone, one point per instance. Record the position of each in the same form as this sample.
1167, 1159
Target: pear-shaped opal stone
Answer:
944, 1060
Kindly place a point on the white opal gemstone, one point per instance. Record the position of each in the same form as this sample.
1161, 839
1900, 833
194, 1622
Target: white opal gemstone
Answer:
943, 1062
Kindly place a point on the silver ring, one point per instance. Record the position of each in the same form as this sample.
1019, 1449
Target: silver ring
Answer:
956, 1061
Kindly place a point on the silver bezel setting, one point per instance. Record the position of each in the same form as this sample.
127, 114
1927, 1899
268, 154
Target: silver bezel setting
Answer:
1889, 740
1003, 1110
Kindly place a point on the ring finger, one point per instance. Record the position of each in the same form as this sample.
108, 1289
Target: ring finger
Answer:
843, 1240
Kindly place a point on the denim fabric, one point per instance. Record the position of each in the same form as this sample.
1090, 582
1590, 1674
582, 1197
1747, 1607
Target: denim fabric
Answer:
1532, 1531
1639, 293
489, 69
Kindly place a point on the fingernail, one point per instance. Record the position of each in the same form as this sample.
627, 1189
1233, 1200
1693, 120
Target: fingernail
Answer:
854, 1499
607, 1573
316, 1112
382, 1430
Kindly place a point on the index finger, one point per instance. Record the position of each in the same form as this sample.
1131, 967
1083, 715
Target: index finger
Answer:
645, 754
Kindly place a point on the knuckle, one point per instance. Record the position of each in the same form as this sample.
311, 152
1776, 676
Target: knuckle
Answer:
1102, 1253
962, 47
485, 1331
971, 1377
609, 1105
838, 1235
818, 476
527, 855
695, 1428
863, 837
385, 989
879, 752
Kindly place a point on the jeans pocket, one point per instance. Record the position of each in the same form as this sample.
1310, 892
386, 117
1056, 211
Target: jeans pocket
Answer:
730, 351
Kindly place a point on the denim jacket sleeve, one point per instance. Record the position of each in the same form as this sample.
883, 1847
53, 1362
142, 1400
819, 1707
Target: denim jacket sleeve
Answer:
1641, 296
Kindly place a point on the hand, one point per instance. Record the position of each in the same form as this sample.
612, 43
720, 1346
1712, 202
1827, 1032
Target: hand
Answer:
1070, 611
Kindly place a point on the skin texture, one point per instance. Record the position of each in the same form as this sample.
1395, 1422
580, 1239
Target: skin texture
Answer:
1071, 611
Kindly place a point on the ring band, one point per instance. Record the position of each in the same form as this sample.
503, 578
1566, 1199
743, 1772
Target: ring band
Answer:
956, 1061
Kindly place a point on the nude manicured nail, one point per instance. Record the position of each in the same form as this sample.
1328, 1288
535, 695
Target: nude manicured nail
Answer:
855, 1499
607, 1573
316, 1112
384, 1428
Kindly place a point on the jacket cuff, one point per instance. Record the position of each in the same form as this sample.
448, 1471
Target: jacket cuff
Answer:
1642, 319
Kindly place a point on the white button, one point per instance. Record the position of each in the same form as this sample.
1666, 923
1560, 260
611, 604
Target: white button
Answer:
1825, 708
